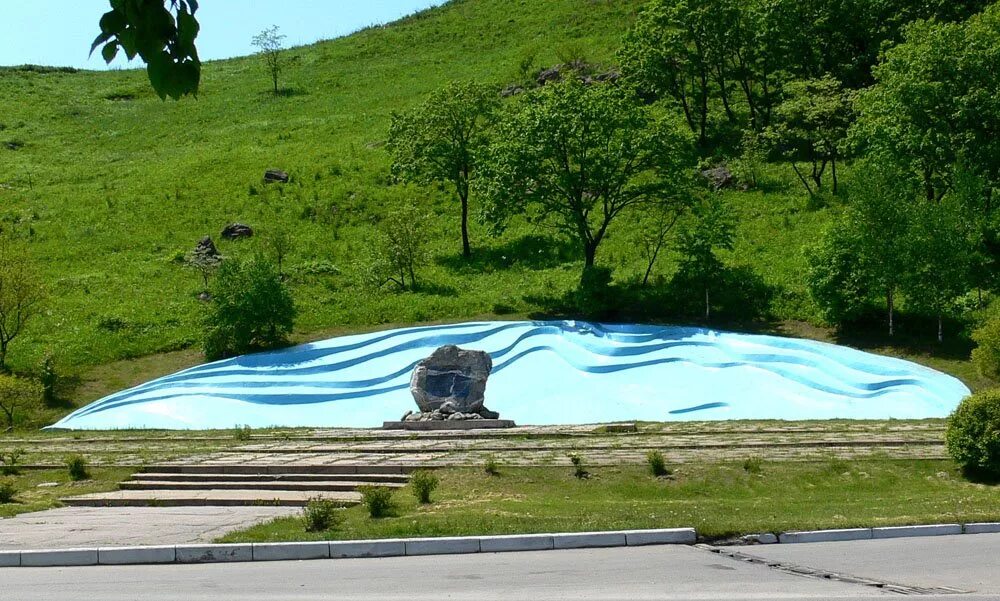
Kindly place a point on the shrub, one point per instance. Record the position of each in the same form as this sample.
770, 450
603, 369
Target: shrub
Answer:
986, 355
578, 470
47, 378
7, 491
17, 394
657, 464
10, 462
252, 309
242, 433
77, 467
377, 499
491, 467
399, 249
973, 435
753, 465
321, 515
423, 484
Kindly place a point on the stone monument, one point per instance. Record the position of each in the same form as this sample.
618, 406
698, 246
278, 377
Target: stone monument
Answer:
449, 388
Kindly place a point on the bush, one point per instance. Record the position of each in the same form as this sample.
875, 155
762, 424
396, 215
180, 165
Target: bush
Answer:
47, 378
753, 465
378, 500
423, 484
321, 515
491, 467
77, 467
16, 395
398, 251
10, 462
242, 433
252, 309
578, 470
986, 355
7, 491
657, 464
973, 435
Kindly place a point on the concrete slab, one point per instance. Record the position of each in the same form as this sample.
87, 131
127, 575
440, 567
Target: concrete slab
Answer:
440, 546
214, 553
59, 557
824, 536
584, 540
364, 548
85, 527
907, 531
516, 542
136, 555
460, 424
290, 551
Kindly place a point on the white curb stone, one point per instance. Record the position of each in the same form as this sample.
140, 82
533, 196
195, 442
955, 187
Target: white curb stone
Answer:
670, 536
907, 531
136, 555
823, 536
980, 528
516, 542
10, 559
290, 551
365, 548
214, 553
59, 557
442, 546
767, 538
584, 540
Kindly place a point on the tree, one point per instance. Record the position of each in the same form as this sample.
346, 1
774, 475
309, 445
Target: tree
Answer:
251, 309
940, 263
21, 295
578, 157
279, 241
867, 251
17, 394
711, 228
812, 123
443, 139
162, 34
268, 44
399, 248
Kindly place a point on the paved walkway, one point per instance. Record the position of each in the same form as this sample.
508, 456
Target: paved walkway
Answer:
70, 527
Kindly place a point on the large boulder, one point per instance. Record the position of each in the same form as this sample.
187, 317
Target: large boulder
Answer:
450, 381
275, 175
719, 178
235, 231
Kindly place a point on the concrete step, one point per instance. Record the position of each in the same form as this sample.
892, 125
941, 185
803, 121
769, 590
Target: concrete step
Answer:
253, 478
225, 468
258, 486
201, 498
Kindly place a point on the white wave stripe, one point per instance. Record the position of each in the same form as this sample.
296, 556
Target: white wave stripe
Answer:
545, 372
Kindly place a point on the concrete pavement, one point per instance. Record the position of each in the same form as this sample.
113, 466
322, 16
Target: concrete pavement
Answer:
593, 574
70, 527
969, 562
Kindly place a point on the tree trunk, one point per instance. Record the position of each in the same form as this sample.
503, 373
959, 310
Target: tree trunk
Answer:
589, 253
833, 173
940, 329
802, 179
466, 249
708, 306
891, 304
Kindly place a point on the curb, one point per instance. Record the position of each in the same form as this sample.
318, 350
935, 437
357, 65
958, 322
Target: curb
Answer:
181, 554
851, 534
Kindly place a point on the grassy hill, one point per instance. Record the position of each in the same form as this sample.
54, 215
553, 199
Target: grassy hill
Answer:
111, 187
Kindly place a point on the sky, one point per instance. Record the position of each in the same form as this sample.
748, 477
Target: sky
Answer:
59, 32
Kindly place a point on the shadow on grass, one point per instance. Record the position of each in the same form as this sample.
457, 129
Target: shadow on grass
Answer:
532, 251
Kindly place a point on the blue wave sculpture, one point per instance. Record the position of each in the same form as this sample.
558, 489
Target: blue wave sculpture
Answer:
545, 372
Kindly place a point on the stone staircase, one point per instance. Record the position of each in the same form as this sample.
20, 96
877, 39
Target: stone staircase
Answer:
229, 485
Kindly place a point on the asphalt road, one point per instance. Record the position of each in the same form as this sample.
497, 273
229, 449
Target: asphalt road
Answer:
670, 572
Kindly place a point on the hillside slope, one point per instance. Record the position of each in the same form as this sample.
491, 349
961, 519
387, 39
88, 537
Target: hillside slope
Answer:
111, 185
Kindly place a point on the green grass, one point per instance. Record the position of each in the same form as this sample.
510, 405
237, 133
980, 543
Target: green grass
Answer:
719, 500
32, 498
